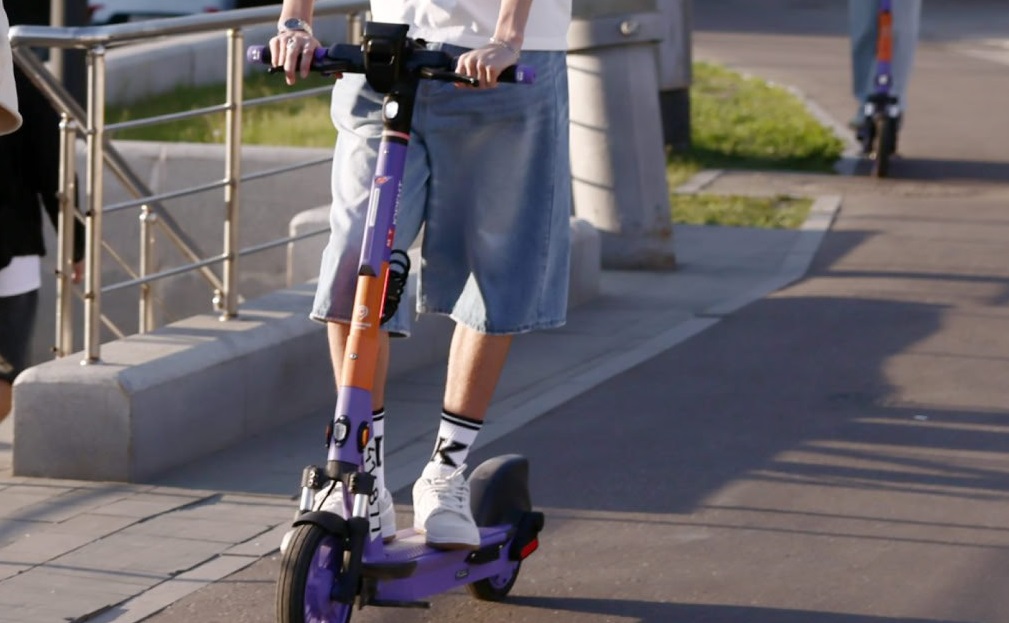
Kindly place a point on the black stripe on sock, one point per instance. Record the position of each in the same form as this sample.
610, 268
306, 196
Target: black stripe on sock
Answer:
461, 420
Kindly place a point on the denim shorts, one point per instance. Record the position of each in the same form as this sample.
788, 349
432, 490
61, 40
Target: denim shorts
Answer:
487, 179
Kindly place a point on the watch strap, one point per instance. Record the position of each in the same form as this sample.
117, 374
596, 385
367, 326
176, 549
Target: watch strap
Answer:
295, 23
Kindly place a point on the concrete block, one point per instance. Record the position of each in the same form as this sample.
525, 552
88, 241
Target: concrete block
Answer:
159, 400
586, 263
303, 256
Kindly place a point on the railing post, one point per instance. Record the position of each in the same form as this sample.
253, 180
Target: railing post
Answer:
232, 164
64, 344
147, 220
93, 190
355, 26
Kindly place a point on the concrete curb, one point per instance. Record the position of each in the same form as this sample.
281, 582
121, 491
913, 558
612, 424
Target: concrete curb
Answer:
796, 263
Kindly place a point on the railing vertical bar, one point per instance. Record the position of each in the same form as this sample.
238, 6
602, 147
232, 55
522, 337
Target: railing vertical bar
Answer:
64, 344
146, 311
94, 188
233, 174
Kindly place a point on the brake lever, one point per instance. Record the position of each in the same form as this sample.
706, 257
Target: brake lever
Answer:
448, 76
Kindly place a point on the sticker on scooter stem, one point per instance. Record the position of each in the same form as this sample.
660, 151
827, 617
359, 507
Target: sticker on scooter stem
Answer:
363, 435
362, 314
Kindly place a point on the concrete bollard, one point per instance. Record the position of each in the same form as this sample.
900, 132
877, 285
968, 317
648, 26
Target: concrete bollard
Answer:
618, 157
675, 73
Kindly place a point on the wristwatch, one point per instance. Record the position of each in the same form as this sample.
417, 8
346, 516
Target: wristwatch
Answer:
295, 23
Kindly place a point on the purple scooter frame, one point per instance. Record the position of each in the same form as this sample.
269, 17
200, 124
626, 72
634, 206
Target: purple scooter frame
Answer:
331, 563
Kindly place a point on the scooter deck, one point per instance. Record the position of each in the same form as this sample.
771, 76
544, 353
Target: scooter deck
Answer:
409, 569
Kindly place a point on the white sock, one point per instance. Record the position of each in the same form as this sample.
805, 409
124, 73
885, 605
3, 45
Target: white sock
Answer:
456, 435
375, 464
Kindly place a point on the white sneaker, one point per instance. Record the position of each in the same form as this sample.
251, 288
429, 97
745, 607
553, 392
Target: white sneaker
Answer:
334, 504
441, 508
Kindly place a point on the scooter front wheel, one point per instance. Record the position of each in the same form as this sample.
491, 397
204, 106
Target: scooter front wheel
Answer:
886, 143
495, 588
310, 568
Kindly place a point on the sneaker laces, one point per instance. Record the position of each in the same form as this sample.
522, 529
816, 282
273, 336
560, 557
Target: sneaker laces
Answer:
450, 492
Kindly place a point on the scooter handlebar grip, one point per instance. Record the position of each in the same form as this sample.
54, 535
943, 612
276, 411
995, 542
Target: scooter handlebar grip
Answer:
260, 55
519, 74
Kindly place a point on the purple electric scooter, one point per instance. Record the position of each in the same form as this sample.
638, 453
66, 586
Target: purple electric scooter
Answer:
331, 563
878, 134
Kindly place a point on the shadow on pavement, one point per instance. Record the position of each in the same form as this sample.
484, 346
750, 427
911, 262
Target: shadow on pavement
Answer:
652, 612
663, 436
938, 171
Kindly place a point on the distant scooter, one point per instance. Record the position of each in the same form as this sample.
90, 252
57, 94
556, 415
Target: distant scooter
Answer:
881, 112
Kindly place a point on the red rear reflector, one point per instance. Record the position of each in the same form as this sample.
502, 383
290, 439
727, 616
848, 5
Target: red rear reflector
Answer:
529, 548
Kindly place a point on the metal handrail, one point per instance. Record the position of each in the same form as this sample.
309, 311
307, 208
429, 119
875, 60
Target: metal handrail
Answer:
89, 123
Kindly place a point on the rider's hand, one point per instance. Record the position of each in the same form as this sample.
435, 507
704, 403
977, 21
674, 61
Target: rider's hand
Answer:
487, 63
293, 50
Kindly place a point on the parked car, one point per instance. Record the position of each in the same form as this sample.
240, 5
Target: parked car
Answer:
118, 11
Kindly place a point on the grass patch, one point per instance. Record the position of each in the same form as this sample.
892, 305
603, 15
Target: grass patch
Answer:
302, 122
778, 212
740, 122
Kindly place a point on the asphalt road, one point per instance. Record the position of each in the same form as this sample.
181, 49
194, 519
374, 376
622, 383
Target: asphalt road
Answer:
834, 453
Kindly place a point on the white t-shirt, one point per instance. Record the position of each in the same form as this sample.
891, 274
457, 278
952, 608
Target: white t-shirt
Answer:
471, 23
21, 275
10, 120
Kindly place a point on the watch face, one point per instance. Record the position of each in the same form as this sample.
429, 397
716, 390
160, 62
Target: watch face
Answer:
296, 24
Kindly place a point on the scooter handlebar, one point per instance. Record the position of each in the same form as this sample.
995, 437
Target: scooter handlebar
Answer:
345, 58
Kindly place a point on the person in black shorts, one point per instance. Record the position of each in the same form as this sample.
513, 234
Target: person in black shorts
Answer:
29, 182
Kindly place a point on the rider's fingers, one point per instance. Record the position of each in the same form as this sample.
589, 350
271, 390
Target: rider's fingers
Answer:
305, 63
488, 75
466, 65
275, 49
292, 50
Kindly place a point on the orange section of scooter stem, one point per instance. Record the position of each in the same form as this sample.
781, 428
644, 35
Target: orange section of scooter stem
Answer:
884, 48
361, 355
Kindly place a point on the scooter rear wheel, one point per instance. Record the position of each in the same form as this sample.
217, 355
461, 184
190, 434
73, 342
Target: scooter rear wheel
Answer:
310, 568
495, 588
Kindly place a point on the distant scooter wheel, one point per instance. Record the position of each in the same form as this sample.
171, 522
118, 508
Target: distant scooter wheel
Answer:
311, 566
495, 588
886, 143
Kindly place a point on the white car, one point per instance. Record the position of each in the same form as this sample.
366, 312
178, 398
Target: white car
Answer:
117, 11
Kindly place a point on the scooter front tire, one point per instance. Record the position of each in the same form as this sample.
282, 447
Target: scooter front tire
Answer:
311, 566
